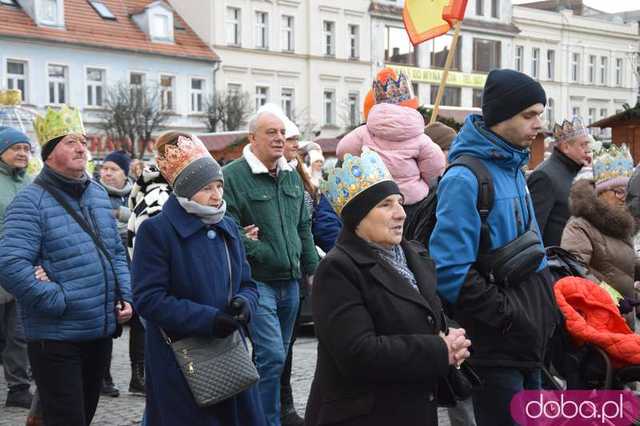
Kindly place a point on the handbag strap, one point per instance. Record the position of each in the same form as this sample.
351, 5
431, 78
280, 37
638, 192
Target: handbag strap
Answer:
166, 338
85, 227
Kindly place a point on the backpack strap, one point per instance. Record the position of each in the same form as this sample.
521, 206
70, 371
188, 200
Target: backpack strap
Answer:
485, 195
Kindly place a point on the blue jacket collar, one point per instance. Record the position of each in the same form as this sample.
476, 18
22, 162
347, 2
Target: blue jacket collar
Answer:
187, 224
477, 140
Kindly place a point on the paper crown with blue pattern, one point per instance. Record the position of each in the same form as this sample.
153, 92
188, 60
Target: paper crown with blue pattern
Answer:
612, 166
392, 91
569, 130
354, 176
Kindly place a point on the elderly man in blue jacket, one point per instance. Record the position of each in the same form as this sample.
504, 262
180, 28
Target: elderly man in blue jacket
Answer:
70, 317
509, 323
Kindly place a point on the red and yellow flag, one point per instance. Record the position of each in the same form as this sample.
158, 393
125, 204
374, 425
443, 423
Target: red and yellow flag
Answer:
427, 19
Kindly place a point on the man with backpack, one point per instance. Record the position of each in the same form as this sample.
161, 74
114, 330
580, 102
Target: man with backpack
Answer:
491, 267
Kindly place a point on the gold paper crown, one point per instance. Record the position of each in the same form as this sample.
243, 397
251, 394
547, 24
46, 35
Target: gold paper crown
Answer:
569, 130
66, 121
177, 157
10, 97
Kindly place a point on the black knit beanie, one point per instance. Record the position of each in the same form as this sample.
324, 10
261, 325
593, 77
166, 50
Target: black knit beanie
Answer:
508, 92
360, 206
48, 148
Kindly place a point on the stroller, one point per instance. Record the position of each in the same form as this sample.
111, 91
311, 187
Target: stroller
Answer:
584, 366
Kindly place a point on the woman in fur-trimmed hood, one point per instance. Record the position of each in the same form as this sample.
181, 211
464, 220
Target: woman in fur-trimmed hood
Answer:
601, 228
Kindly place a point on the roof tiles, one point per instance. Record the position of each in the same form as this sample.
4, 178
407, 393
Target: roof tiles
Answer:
83, 26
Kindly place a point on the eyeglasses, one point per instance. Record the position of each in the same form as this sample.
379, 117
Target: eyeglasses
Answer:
619, 193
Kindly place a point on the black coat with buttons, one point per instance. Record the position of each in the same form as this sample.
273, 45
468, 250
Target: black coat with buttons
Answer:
379, 354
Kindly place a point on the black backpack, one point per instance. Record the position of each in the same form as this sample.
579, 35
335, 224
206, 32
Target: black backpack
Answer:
422, 220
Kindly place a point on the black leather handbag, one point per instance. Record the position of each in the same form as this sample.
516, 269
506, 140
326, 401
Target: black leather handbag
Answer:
215, 369
458, 385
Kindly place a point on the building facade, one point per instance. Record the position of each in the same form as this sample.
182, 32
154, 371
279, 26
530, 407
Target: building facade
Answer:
485, 42
72, 51
311, 57
583, 62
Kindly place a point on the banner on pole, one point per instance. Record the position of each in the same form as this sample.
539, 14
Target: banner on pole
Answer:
427, 19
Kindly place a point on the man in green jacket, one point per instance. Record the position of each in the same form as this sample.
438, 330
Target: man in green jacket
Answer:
15, 152
265, 197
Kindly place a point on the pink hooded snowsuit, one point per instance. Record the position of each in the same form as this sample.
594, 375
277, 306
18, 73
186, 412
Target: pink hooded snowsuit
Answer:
396, 133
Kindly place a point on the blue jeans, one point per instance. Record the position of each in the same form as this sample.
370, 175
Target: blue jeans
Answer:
499, 385
271, 329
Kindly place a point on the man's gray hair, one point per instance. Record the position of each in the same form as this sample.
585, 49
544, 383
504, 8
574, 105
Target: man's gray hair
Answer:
253, 121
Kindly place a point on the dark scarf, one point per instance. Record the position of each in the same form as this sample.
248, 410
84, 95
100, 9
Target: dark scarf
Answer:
16, 173
73, 187
564, 159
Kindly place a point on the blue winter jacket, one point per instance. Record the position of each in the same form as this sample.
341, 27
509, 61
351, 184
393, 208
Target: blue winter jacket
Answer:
325, 225
509, 326
455, 240
78, 303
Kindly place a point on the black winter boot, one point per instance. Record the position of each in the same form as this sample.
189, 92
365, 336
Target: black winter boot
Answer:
288, 414
136, 385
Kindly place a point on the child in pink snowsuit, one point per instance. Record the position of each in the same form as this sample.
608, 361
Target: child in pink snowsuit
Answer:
396, 133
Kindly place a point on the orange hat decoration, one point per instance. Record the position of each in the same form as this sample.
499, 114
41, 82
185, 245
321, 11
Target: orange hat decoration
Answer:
389, 87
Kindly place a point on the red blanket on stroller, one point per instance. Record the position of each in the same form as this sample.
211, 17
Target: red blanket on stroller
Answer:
592, 317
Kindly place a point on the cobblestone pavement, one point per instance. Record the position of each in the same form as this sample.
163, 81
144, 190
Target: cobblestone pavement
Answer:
127, 409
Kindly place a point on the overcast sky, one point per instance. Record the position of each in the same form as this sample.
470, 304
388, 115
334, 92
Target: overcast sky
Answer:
604, 5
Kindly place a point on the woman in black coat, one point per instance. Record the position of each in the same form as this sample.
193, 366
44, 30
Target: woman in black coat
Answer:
379, 323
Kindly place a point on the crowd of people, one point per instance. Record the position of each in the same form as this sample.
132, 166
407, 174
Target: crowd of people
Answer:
185, 250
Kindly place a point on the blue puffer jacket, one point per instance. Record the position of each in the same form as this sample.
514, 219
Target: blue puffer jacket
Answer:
78, 304
508, 325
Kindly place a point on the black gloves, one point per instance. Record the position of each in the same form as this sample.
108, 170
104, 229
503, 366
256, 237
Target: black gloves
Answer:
239, 309
224, 325
626, 305
229, 319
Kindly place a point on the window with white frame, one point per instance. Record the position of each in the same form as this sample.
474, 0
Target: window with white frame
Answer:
57, 84
329, 110
48, 12
262, 96
535, 62
519, 58
551, 64
286, 101
592, 68
354, 109
603, 112
167, 88
95, 87
287, 32
495, 8
329, 37
136, 85
604, 67
354, 41
262, 30
232, 25
619, 75
575, 67
575, 111
17, 76
480, 7
197, 95
550, 113
161, 26
592, 115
